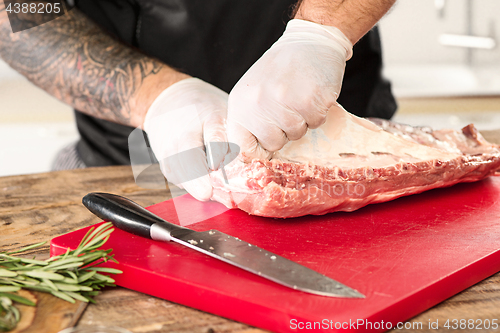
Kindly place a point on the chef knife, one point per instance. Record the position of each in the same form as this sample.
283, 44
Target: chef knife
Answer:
131, 217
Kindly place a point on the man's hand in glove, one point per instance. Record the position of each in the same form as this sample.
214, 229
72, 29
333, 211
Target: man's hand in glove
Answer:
289, 89
182, 120
292, 86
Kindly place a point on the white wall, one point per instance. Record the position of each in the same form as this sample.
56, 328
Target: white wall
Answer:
410, 32
21, 101
419, 66
487, 23
34, 126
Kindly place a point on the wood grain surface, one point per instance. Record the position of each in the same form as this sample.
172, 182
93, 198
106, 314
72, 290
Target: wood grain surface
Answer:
51, 314
38, 207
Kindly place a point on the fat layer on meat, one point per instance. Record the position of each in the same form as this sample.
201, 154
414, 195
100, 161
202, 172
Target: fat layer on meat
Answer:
350, 162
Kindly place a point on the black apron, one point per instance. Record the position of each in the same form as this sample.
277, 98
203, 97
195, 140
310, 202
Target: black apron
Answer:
216, 41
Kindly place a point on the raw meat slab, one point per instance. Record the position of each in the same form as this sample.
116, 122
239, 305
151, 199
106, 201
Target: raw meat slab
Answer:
405, 256
350, 162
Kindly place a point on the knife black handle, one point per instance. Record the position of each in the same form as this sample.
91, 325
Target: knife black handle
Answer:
127, 215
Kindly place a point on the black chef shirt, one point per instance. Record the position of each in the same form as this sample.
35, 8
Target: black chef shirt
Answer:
216, 41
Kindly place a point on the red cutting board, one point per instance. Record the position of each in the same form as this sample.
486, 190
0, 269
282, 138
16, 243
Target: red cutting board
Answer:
405, 256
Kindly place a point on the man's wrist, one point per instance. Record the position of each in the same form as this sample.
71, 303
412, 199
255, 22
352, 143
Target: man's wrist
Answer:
353, 17
329, 14
150, 89
334, 35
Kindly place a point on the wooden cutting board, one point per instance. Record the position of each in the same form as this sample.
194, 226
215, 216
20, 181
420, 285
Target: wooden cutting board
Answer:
50, 315
405, 256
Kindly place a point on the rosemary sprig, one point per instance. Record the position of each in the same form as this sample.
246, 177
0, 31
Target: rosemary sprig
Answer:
75, 275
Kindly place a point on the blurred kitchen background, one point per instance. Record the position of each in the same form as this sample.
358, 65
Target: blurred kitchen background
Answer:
441, 56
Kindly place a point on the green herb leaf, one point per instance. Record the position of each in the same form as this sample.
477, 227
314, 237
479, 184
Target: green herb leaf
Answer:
105, 270
18, 299
27, 248
67, 287
77, 296
50, 284
44, 275
6, 273
86, 276
64, 296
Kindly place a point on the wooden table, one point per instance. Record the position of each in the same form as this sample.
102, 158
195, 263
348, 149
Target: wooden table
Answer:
38, 207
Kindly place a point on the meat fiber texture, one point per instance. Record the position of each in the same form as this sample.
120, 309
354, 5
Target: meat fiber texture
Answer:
351, 162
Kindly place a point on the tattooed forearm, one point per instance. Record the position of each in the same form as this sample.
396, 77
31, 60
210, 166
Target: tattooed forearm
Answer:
75, 61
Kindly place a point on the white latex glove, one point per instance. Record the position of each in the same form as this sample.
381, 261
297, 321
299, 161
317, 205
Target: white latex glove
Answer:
289, 89
182, 120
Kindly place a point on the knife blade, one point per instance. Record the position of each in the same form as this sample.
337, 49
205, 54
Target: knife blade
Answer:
131, 217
